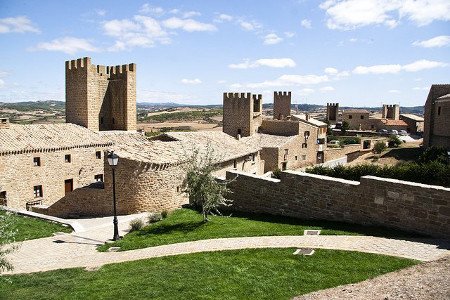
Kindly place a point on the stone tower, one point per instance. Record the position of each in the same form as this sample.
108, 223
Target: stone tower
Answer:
241, 113
391, 112
281, 105
100, 97
332, 112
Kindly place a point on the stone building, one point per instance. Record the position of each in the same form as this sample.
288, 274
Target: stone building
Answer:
100, 97
414, 123
391, 112
437, 117
39, 164
332, 112
286, 141
358, 119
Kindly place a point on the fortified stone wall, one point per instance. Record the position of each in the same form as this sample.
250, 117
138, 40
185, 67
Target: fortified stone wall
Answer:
332, 112
391, 112
19, 175
335, 153
101, 97
432, 123
372, 201
241, 113
280, 127
139, 187
281, 105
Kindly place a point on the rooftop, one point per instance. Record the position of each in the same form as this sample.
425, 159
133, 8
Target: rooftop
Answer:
389, 122
413, 117
444, 97
39, 137
263, 140
310, 121
356, 111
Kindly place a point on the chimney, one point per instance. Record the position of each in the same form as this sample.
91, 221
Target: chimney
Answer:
307, 117
4, 123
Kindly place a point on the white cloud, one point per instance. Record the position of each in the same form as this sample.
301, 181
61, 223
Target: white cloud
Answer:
223, 18
272, 39
2, 83
289, 34
327, 89
439, 41
416, 66
331, 71
394, 91
69, 45
290, 80
190, 14
19, 24
141, 31
221, 81
189, 25
265, 62
191, 81
249, 25
306, 23
425, 88
100, 12
423, 64
153, 10
350, 14
306, 91
353, 40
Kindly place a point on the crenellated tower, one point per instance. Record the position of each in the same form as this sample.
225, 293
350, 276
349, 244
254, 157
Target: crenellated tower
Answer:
391, 112
100, 97
281, 105
241, 113
332, 112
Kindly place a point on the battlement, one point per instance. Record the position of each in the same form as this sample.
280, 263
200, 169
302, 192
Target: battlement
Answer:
391, 111
281, 94
257, 97
237, 96
333, 104
4, 123
85, 62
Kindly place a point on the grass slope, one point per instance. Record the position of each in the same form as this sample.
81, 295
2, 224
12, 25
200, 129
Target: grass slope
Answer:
31, 228
185, 225
242, 274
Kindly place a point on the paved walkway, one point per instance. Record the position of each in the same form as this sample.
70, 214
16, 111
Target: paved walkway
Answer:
78, 249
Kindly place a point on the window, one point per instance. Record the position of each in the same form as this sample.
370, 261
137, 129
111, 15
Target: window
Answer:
303, 157
67, 158
178, 189
284, 166
362, 117
350, 116
439, 110
98, 154
235, 164
3, 199
36, 161
113, 121
307, 134
68, 186
98, 178
304, 145
38, 191
101, 120
296, 158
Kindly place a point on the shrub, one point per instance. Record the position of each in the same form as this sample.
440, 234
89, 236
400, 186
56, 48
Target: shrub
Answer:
136, 224
164, 214
276, 173
394, 141
152, 217
435, 153
379, 147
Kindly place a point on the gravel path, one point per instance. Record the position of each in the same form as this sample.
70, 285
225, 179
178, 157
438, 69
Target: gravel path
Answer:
430, 280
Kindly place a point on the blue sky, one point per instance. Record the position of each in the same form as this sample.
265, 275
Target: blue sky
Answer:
356, 52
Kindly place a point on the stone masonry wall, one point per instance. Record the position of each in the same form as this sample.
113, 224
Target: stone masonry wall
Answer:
372, 201
19, 175
430, 137
281, 105
280, 127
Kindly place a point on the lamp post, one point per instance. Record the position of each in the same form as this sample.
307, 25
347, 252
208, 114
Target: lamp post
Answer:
113, 159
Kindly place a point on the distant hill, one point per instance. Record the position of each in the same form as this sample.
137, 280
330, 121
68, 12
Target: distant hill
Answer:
47, 105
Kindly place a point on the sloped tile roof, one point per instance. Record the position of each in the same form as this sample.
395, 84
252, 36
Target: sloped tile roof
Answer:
268, 140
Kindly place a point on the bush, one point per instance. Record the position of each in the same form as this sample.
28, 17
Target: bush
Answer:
136, 224
164, 214
276, 173
153, 218
379, 147
394, 141
435, 153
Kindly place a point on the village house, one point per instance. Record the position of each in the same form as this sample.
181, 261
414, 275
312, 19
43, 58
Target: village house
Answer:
437, 117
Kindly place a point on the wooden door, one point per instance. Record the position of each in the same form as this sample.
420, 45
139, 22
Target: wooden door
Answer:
68, 185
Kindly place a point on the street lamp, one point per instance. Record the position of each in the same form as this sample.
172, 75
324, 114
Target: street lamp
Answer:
113, 159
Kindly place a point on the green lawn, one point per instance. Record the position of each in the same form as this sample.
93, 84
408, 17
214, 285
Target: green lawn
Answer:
29, 228
241, 274
185, 225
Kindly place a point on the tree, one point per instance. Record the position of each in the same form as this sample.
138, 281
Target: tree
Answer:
345, 127
7, 234
379, 147
394, 141
205, 192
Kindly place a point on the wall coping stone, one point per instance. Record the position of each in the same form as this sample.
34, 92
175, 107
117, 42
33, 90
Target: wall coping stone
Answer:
328, 178
404, 182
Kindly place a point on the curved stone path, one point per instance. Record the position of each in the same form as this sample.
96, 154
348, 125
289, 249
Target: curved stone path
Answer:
79, 249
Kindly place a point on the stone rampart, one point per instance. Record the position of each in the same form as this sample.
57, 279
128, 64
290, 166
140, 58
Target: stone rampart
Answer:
372, 201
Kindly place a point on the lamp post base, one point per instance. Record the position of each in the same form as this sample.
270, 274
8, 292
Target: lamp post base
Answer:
116, 229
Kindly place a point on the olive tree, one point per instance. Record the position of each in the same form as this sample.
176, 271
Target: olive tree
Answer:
206, 192
7, 234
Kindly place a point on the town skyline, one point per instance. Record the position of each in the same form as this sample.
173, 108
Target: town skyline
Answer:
358, 54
